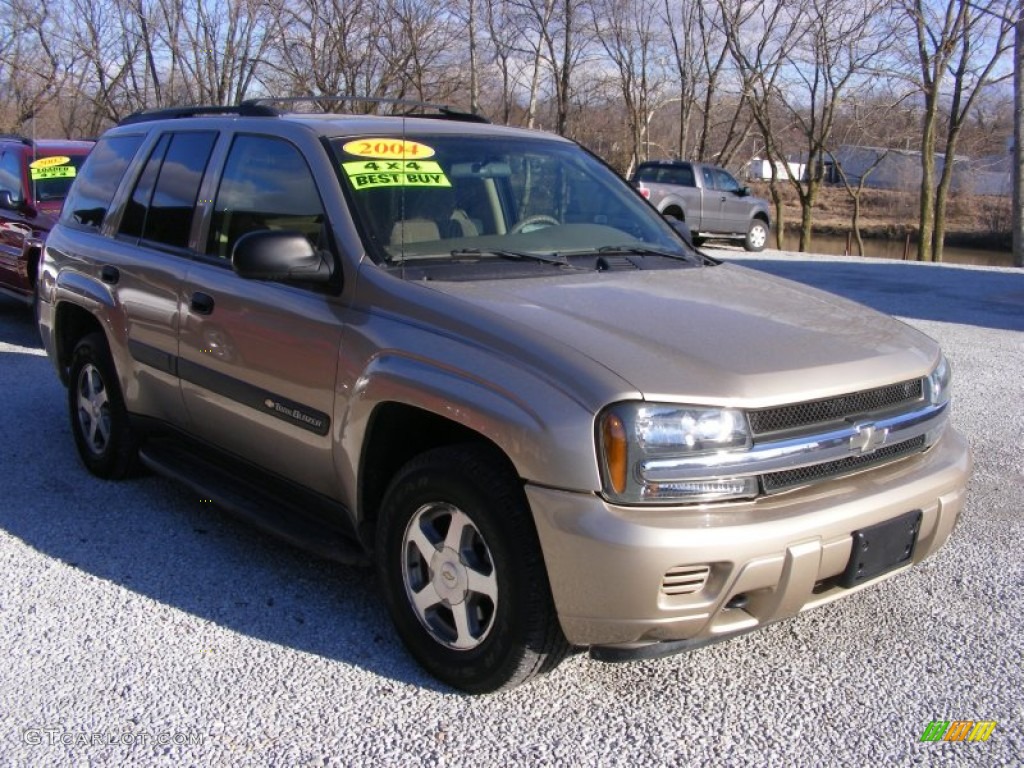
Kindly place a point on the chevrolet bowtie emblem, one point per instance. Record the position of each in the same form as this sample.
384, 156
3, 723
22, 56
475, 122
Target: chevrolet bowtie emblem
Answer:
868, 438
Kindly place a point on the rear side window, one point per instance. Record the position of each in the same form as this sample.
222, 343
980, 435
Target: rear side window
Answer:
680, 175
169, 218
95, 186
134, 218
647, 173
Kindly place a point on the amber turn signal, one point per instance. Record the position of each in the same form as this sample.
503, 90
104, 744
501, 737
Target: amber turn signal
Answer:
613, 439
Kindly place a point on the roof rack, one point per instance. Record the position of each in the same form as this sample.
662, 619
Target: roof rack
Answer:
244, 109
444, 112
16, 137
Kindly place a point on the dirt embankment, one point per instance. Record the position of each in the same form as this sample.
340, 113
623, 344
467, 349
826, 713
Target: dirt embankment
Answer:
976, 221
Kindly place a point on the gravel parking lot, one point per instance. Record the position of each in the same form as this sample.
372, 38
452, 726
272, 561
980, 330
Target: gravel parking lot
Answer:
139, 626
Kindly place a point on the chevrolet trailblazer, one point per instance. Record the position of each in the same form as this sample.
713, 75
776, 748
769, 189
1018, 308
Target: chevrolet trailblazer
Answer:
472, 356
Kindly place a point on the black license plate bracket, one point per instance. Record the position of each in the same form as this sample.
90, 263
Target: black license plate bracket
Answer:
881, 548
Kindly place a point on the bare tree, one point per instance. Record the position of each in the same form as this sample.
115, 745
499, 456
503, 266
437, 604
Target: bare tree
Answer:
219, 45
555, 31
757, 37
33, 68
810, 56
958, 42
628, 31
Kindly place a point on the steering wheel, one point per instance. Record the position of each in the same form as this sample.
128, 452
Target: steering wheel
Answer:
531, 223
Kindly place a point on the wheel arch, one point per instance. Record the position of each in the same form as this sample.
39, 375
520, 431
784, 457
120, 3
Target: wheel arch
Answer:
72, 323
674, 209
398, 432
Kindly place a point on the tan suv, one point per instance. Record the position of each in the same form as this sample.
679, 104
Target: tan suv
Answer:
474, 357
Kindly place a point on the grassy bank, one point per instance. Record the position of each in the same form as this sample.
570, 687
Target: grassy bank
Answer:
972, 221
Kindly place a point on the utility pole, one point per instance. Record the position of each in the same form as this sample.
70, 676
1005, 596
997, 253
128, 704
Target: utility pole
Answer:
1018, 135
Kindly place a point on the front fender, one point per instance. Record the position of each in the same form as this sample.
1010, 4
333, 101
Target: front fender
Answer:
547, 435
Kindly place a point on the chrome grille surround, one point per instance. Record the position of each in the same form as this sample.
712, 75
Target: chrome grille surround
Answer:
835, 409
785, 460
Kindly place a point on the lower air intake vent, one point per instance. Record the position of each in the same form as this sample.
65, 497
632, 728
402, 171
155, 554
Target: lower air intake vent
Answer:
685, 579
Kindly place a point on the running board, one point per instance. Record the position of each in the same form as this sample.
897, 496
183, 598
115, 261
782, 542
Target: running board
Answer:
276, 507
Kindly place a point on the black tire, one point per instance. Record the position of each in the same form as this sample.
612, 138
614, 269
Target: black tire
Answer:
504, 641
99, 419
757, 236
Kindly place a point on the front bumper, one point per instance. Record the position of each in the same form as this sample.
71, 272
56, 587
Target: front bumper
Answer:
616, 571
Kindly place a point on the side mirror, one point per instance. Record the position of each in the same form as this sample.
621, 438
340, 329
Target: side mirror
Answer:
280, 255
743, 192
7, 201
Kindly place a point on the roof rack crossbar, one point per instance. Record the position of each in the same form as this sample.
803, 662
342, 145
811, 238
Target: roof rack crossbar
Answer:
243, 110
443, 110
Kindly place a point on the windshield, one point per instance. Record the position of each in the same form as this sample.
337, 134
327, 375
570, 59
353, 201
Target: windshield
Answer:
51, 175
478, 198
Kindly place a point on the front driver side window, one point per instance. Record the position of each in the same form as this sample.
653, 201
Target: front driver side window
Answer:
266, 185
725, 182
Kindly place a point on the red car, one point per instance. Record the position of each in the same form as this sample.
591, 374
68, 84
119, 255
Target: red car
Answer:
34, 180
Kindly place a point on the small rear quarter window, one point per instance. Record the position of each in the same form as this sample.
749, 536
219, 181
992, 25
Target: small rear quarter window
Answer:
96, 184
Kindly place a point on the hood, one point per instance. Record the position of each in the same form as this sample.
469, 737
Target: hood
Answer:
724, 335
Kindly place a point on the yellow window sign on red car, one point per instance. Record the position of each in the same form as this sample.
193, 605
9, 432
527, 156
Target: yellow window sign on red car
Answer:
368, 174
49, 162
385, 149
52, 172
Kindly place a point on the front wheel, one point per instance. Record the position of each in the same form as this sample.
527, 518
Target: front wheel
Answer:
462, 573
99, 419
757, 236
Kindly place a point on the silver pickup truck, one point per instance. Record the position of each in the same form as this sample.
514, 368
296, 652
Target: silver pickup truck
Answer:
708, 199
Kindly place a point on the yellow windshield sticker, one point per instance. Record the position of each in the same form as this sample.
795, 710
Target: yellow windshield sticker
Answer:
54, 172
47, 162
386, 149
395, 173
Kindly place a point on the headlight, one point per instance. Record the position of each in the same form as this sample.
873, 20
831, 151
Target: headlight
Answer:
940, 382
634, 435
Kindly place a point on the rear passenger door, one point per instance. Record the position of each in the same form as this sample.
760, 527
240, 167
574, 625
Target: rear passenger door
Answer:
146, 264
258, 360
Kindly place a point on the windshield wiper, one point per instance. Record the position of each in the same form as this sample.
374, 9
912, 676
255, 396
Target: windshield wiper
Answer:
553, 258
695, 257
643, 250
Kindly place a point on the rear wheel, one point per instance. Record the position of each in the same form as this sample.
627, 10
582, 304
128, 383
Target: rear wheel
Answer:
99, 419
757, 235
462, 573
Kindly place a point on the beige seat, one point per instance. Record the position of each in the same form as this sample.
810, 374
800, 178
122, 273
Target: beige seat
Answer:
464, 223
414, 231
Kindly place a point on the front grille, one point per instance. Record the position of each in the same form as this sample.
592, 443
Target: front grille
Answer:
685, 579
774, 482
834, 409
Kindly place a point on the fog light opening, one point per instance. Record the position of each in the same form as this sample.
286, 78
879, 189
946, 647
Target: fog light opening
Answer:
738, 601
